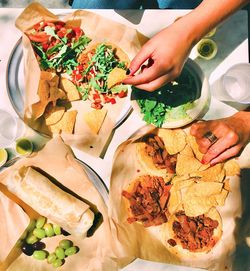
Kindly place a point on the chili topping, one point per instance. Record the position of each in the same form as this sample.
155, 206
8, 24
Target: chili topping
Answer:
194, 233
161, 158
148, 200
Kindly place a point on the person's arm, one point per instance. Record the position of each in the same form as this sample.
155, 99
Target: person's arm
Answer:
232, 133
168, 50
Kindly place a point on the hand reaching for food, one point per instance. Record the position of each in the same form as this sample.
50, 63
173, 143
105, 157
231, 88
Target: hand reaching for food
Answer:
163, 64
223, 138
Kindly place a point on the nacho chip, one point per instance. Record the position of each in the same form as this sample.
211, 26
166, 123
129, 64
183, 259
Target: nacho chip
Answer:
174, 202
200, 197
187, 151
116, 76
53, 114
215, 173
55, 94
38, 109
47, 76
66, 124
221, 198
95, 119
174, 140
71, 91
232, 168
193, 144
187, 164
227, 185
43, 91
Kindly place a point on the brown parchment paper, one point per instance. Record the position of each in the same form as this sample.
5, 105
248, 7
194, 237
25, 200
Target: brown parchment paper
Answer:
97, 252
145, 243
99, 29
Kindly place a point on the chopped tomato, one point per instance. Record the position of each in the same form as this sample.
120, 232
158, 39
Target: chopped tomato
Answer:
112, 100
45, 46
62, 32
96, 105
39, 37
78, 31
122, 94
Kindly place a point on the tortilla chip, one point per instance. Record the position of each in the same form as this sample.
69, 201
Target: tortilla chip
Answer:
45, 75
187, 164
187, 151
200, 197
227, 185
55, 94
232, 168
66, 124
95, 119
174, 202
174, 140
38, 109
215, 173
71, 91
221, 198
195, 147
53, 114
116, 76
43, 91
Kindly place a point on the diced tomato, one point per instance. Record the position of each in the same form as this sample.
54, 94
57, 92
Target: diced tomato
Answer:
78, 77
39, 37
45, 46
122, 94
96, 105
78, 31
112, 100
80, 67
37, 27
96, 96
62, 32
59, 25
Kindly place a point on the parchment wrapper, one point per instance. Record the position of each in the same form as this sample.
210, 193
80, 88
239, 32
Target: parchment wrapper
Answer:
97, 252
146, 243
99, 29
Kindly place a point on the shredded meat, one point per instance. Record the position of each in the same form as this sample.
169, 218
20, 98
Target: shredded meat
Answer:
155, 148
194, 233
148, 200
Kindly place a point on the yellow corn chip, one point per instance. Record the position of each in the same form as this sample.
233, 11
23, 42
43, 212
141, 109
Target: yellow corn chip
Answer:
66, 124
71, 91
215, 173
200, 197
232, 168
187, 151
116, 76
221, 198
174, 140
174, 201
55, 94
38, 109
187, 164
193, 144
94, 119
43, 91
53, 114
227, 185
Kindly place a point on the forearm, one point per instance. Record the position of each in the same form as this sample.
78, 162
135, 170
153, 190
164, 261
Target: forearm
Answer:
208, 15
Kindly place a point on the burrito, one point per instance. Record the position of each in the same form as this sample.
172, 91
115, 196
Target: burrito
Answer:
36, 190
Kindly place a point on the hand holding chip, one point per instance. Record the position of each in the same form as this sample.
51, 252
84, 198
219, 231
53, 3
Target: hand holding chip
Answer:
232, 133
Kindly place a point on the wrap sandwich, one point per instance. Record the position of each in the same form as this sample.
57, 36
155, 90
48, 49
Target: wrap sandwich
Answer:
36, 190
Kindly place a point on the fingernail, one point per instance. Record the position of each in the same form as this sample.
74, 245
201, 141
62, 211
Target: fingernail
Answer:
128, 72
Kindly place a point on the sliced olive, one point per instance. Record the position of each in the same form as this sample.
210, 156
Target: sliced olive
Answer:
39, 246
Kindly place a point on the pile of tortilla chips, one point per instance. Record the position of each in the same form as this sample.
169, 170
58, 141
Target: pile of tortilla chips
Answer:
196, 187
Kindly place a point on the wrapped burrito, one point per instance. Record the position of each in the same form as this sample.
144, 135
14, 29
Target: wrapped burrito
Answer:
36, 190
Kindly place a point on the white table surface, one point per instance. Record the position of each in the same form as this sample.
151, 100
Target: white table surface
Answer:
232, 41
